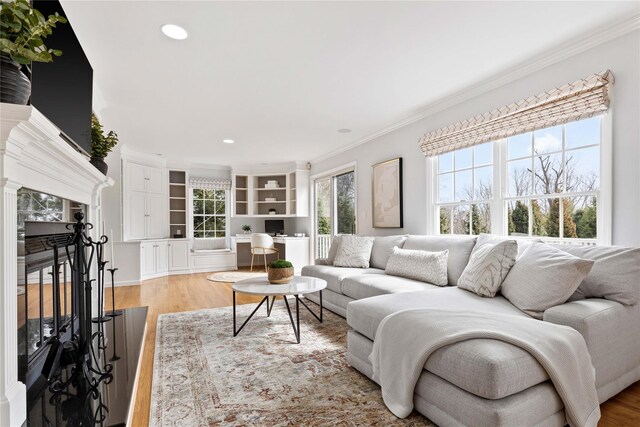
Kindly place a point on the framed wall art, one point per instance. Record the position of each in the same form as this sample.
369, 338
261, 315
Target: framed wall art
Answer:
386, 194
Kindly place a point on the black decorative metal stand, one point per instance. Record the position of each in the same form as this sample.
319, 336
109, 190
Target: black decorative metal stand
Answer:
113, 312
84, 352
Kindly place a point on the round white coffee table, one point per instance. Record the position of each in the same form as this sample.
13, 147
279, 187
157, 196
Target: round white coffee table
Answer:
299, 285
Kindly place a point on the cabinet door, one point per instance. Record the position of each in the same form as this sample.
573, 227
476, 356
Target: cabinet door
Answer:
178, 255
147, 258
156, 216
136, 177
162, 257
155, 181
135, 216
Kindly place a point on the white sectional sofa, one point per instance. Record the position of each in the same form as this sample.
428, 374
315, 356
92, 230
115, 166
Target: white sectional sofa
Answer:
485, 382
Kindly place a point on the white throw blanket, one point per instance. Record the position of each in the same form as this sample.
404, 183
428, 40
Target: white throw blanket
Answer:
405, 340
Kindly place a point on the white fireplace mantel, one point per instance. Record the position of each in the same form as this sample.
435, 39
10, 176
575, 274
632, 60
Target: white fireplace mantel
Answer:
32, 155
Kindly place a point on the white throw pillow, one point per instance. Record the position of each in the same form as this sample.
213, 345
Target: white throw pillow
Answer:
491, 239
354, 251
333, 249
488, 267
543, 277
429, 267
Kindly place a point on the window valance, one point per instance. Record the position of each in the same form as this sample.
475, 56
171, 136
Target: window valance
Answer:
574, 101
202, 183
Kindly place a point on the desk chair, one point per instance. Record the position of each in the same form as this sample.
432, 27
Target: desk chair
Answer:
262, 244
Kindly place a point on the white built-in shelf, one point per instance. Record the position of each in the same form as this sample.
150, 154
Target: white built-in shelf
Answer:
177, 184
277, 201
271, 189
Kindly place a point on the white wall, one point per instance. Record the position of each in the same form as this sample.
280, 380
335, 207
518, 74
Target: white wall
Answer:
621, 56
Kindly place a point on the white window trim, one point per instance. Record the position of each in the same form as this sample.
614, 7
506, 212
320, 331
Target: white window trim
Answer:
498, 204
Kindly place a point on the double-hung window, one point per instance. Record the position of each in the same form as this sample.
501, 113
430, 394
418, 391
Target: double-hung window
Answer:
209, 213
544, 184
465, 190
553, 181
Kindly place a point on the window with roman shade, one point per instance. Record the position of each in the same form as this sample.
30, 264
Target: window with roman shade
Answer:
532, 169
209, 208
579, 100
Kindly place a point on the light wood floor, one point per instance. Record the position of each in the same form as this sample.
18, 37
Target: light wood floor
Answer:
194, 292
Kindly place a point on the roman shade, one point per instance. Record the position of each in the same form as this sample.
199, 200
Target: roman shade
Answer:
202, 183
581, 99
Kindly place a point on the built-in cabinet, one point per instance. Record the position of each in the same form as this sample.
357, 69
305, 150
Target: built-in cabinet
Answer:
145, 212
154, 258
178, 255
271, 194
159, 257
177, 203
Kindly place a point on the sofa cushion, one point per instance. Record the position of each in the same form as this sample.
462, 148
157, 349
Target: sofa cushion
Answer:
366, 314
615, 275
491, 239
488, 267
334, 275
209, 244
383, 248
354, 251
429, 267
459, 248
543, 277
487, 368
371, 285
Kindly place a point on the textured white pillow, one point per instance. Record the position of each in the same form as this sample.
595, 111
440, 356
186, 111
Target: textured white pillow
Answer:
333, 249
354, 251
488, 267
492, 239
543, 277
430, 267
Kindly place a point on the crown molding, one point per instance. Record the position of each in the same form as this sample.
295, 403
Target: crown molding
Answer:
559, 53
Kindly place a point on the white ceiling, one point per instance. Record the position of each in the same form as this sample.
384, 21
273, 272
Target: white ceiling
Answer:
281, 78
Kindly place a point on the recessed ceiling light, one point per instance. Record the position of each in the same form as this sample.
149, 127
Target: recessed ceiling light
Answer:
175, 32
344, 130
228, 141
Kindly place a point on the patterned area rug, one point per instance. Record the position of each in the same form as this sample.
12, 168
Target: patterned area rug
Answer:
235, 276
203, 376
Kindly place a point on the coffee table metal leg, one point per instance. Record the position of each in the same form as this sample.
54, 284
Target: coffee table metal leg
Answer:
270, 306
298, 317
248, 318
311, 311
296, 331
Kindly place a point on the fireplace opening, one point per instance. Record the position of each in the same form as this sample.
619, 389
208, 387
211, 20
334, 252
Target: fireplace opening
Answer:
45, 306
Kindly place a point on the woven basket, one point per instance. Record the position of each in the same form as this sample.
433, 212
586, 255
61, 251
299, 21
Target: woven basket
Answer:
279, 276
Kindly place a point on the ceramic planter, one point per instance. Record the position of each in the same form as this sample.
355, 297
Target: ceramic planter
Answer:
279, 276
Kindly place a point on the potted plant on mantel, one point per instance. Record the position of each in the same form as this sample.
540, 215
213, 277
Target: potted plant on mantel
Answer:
246, 228
22, 30
101, 144
280, 272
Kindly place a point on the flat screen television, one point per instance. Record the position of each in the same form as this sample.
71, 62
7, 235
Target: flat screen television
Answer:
62, 90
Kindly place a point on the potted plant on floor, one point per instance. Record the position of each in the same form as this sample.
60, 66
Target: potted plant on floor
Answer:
101, 144
22, 30
280, 272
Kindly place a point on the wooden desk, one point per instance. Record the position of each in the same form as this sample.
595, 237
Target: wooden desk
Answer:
294, 249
